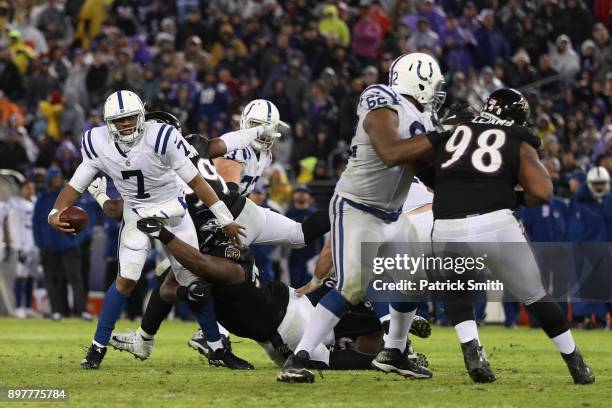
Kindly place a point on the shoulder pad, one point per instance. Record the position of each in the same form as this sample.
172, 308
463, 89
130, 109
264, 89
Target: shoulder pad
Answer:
160, 135
89, 143
526, 135
378, 96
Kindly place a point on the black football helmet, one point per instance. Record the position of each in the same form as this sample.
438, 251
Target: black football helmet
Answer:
507, 104
164, 117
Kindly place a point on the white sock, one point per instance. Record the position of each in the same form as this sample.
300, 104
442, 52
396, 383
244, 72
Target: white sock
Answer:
565, 342
398, 329
467, 331
97, 344
215, 345
144, 334
321, 323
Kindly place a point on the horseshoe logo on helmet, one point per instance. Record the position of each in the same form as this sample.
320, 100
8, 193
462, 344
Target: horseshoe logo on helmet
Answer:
418, 70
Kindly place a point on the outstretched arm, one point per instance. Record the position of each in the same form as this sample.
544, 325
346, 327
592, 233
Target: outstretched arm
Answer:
382, 127
211, 268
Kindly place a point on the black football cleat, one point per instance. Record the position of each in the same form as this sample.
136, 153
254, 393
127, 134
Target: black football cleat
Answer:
198, 343
581, 373
391, 360
418, 358
420, 327
296, 369
93, 358
476, 362
224, 357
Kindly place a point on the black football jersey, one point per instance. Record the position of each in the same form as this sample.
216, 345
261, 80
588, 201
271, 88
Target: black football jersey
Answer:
251, 309
476, 169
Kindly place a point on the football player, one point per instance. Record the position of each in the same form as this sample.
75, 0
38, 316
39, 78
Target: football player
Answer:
21, 208
145, 161
391, 134
267, 312
262, 227
476, 172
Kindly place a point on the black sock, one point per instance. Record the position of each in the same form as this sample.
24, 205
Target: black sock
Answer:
315, 226
350, 359
157, 310
550, 316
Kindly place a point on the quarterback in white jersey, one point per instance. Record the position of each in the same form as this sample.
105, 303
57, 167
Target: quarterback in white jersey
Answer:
391, 135
145, 160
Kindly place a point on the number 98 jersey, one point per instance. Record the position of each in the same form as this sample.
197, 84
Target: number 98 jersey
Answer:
477, 168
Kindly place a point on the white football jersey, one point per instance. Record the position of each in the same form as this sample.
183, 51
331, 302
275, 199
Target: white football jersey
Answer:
253, 165
146, 174
367, 179
20, 223
418, 196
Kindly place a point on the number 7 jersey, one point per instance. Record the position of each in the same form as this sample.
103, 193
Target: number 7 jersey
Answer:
476, 169
146, 174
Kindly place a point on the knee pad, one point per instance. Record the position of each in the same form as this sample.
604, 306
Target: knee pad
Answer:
197, 292
549, 315
130, 270
353, 296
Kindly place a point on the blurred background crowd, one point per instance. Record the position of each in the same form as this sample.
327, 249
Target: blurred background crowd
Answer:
203, 60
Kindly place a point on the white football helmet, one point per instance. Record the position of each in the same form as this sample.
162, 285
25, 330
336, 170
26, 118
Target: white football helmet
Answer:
598, 182
122, 104
260, 112
418, 75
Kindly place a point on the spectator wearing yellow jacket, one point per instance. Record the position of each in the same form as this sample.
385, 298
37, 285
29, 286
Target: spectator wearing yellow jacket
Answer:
333, 26
52, 110
22, 53
92, 16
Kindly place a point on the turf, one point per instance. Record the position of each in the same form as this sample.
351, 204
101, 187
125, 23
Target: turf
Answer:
38, 353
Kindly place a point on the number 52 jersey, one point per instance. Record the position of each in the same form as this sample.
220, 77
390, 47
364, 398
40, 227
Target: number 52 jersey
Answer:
477, 168
146, 174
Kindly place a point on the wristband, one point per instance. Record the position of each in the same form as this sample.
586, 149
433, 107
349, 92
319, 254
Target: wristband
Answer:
240, 139
101, 199
165, 236
51, 214
222, 213
435, 137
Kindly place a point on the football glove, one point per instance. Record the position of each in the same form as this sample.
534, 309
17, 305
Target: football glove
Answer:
199, 143
97, 189
155, 229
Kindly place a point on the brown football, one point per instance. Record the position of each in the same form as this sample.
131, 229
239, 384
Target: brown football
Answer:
76, 217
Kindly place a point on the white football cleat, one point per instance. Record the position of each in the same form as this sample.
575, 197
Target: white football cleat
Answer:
133, 343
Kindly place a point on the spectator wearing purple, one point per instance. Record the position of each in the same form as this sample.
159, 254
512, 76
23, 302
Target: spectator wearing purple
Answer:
456, 43
491, 43
367, 37
435, 17
321, 108
424, 38
469, 19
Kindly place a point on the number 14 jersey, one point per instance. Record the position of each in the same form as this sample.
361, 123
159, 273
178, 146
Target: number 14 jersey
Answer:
477, 168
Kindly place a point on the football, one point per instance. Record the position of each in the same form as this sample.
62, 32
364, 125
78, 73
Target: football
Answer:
76, 217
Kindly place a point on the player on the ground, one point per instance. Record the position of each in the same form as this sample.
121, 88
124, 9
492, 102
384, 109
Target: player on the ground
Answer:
476, 172
21, 208
268, 312
145, 161
390, 136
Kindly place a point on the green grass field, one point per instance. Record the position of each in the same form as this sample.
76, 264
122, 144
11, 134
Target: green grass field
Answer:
39, 353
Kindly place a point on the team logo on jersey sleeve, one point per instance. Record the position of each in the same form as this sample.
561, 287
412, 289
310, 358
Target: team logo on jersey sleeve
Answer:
232, 253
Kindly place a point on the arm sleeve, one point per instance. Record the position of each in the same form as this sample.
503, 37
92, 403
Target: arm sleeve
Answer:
83, 176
